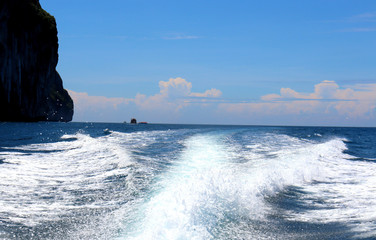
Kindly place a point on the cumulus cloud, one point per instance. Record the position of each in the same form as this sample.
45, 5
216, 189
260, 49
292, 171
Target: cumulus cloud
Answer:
175, 88
174, 95
212, 93
324, 90
327, 90
328, 102
179, 87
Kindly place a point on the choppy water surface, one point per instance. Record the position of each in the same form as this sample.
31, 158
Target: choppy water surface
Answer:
117, 181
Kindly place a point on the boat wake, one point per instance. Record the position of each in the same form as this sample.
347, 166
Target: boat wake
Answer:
185, 184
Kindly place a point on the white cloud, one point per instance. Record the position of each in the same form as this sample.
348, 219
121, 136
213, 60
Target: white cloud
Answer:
175, 88
328, 103
174, 95
326, 90
212, 93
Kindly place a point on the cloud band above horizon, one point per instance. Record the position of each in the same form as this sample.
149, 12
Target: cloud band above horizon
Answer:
328, 104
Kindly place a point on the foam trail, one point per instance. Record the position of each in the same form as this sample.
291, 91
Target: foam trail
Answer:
345, 193
186, 184
43, 182
206, 192
182, 193
205, 189
338, 190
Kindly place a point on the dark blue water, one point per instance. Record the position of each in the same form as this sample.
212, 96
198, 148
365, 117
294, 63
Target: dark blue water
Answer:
122, 181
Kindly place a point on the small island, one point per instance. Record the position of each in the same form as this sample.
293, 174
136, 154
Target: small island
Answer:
133, 121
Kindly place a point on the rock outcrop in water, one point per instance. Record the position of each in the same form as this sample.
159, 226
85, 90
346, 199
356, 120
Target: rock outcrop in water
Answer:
30, 87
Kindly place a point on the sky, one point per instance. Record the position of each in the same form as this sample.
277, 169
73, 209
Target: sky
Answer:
219, 62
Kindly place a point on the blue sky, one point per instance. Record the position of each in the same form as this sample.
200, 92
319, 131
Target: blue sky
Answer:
219, 61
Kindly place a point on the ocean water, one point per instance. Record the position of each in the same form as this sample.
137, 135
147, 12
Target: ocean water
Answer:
120, 181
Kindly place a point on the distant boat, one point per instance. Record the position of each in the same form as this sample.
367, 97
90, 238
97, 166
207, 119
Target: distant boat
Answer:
133, 121
142, 123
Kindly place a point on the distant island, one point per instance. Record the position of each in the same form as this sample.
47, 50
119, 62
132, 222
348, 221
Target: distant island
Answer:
30, 87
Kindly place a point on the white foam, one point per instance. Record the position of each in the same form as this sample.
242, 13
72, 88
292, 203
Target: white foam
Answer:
342, 192
207, 185
38, 185
182, 193
346, 191
192, 199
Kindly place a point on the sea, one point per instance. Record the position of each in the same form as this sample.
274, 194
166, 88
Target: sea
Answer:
164, 181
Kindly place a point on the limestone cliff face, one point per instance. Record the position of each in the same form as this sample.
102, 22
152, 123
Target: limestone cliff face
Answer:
30, 87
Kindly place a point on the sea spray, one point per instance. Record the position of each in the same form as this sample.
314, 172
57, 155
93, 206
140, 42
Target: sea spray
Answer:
114, 181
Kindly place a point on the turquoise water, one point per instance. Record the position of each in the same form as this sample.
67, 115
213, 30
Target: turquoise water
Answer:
160, 181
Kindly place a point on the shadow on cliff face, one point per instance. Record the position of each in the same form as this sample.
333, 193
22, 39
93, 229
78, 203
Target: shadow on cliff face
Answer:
30, 87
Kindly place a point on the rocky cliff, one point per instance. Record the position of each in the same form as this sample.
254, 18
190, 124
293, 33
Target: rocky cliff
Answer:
30, 87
